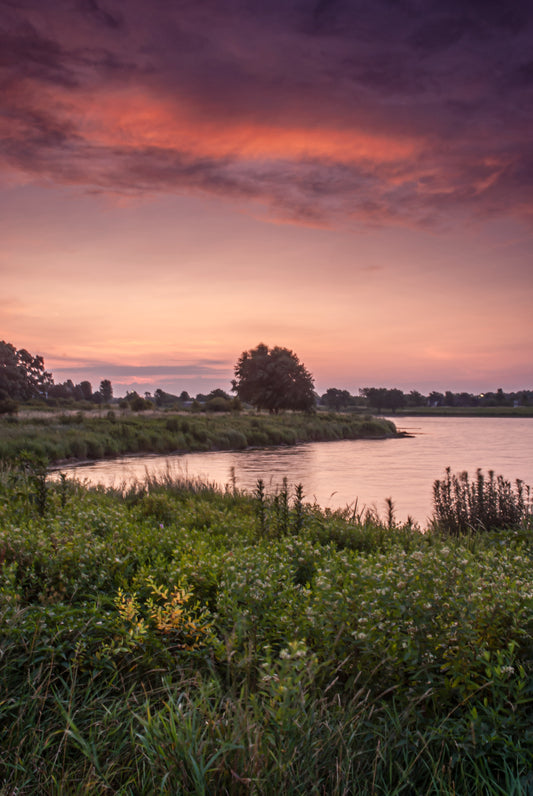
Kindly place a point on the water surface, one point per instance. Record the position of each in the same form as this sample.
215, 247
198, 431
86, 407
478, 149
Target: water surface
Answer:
336, 474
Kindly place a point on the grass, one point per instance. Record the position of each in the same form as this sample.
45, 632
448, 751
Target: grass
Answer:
85, 436
176, 639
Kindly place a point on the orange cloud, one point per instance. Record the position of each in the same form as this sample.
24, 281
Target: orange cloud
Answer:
136, 119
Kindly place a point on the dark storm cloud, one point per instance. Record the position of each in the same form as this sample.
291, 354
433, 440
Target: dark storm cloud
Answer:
452, 80
27, 54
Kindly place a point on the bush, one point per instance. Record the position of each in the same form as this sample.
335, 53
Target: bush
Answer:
139, 404
464, 506
172, 424
8, 407
219, 404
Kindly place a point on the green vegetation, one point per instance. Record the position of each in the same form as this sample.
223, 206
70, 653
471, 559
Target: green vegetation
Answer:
82, 436
180, 640
273, 379
465, 506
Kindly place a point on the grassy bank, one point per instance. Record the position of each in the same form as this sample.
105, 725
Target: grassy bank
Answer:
84, 436
180, 640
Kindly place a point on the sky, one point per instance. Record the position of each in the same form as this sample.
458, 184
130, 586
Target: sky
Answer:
181, 180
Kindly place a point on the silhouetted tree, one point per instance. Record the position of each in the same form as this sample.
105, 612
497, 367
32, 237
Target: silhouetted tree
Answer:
435, 398
163, 398
22, 375
381, 398
106, 390
395, 399
416, 398
375, 396
273, 379
86, 390
336, 399
218, 393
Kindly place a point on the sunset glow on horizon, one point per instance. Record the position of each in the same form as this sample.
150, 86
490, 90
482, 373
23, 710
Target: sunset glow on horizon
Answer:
352, 181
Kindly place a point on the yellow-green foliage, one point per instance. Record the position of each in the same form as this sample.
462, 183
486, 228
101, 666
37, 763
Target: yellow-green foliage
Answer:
170, 613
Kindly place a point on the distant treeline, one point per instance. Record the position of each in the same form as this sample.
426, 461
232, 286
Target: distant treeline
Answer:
23, 379
381, 398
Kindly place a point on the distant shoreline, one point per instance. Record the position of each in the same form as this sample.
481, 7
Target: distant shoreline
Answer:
464, 411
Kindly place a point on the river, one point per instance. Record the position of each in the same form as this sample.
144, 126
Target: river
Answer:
337, 474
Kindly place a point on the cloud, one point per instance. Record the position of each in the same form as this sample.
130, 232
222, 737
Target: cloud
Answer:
386, 113
200, 374
198, 368
97, 11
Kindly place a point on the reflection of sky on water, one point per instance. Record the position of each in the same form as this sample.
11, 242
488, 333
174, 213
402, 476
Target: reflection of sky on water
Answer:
336, 474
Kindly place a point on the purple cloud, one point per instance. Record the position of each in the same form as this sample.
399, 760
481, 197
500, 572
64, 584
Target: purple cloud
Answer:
448, 84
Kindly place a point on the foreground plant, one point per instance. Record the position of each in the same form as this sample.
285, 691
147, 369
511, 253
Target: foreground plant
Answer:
177, 639
464, 506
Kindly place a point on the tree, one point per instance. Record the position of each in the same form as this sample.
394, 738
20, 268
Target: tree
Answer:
273, 379
381, 397
218, 393
416, 398
336, 399
106, 390
22, 375
395, 399
86, 390
163, 398
375, 396
435, 398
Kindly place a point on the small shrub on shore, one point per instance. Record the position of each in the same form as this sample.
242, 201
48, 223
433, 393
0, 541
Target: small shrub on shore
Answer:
465, 506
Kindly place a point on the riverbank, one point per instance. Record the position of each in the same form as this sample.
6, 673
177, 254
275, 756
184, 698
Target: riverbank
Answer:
178, 639
82, 436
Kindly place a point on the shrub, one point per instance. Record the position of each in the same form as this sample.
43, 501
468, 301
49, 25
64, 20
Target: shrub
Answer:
464, 506
218, 404
8, 407
172, 424
236, 439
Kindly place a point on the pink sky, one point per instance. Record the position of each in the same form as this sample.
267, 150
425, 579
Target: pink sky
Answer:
352, 184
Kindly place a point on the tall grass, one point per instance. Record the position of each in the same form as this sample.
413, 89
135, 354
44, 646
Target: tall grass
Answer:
185, 640
87, 437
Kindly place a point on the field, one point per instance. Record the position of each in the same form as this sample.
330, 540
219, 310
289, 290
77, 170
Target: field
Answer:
176, 639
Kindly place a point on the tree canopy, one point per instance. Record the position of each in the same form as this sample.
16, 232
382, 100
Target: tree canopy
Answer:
336, 399
381, 397
22, 375
273, 379
106, 390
